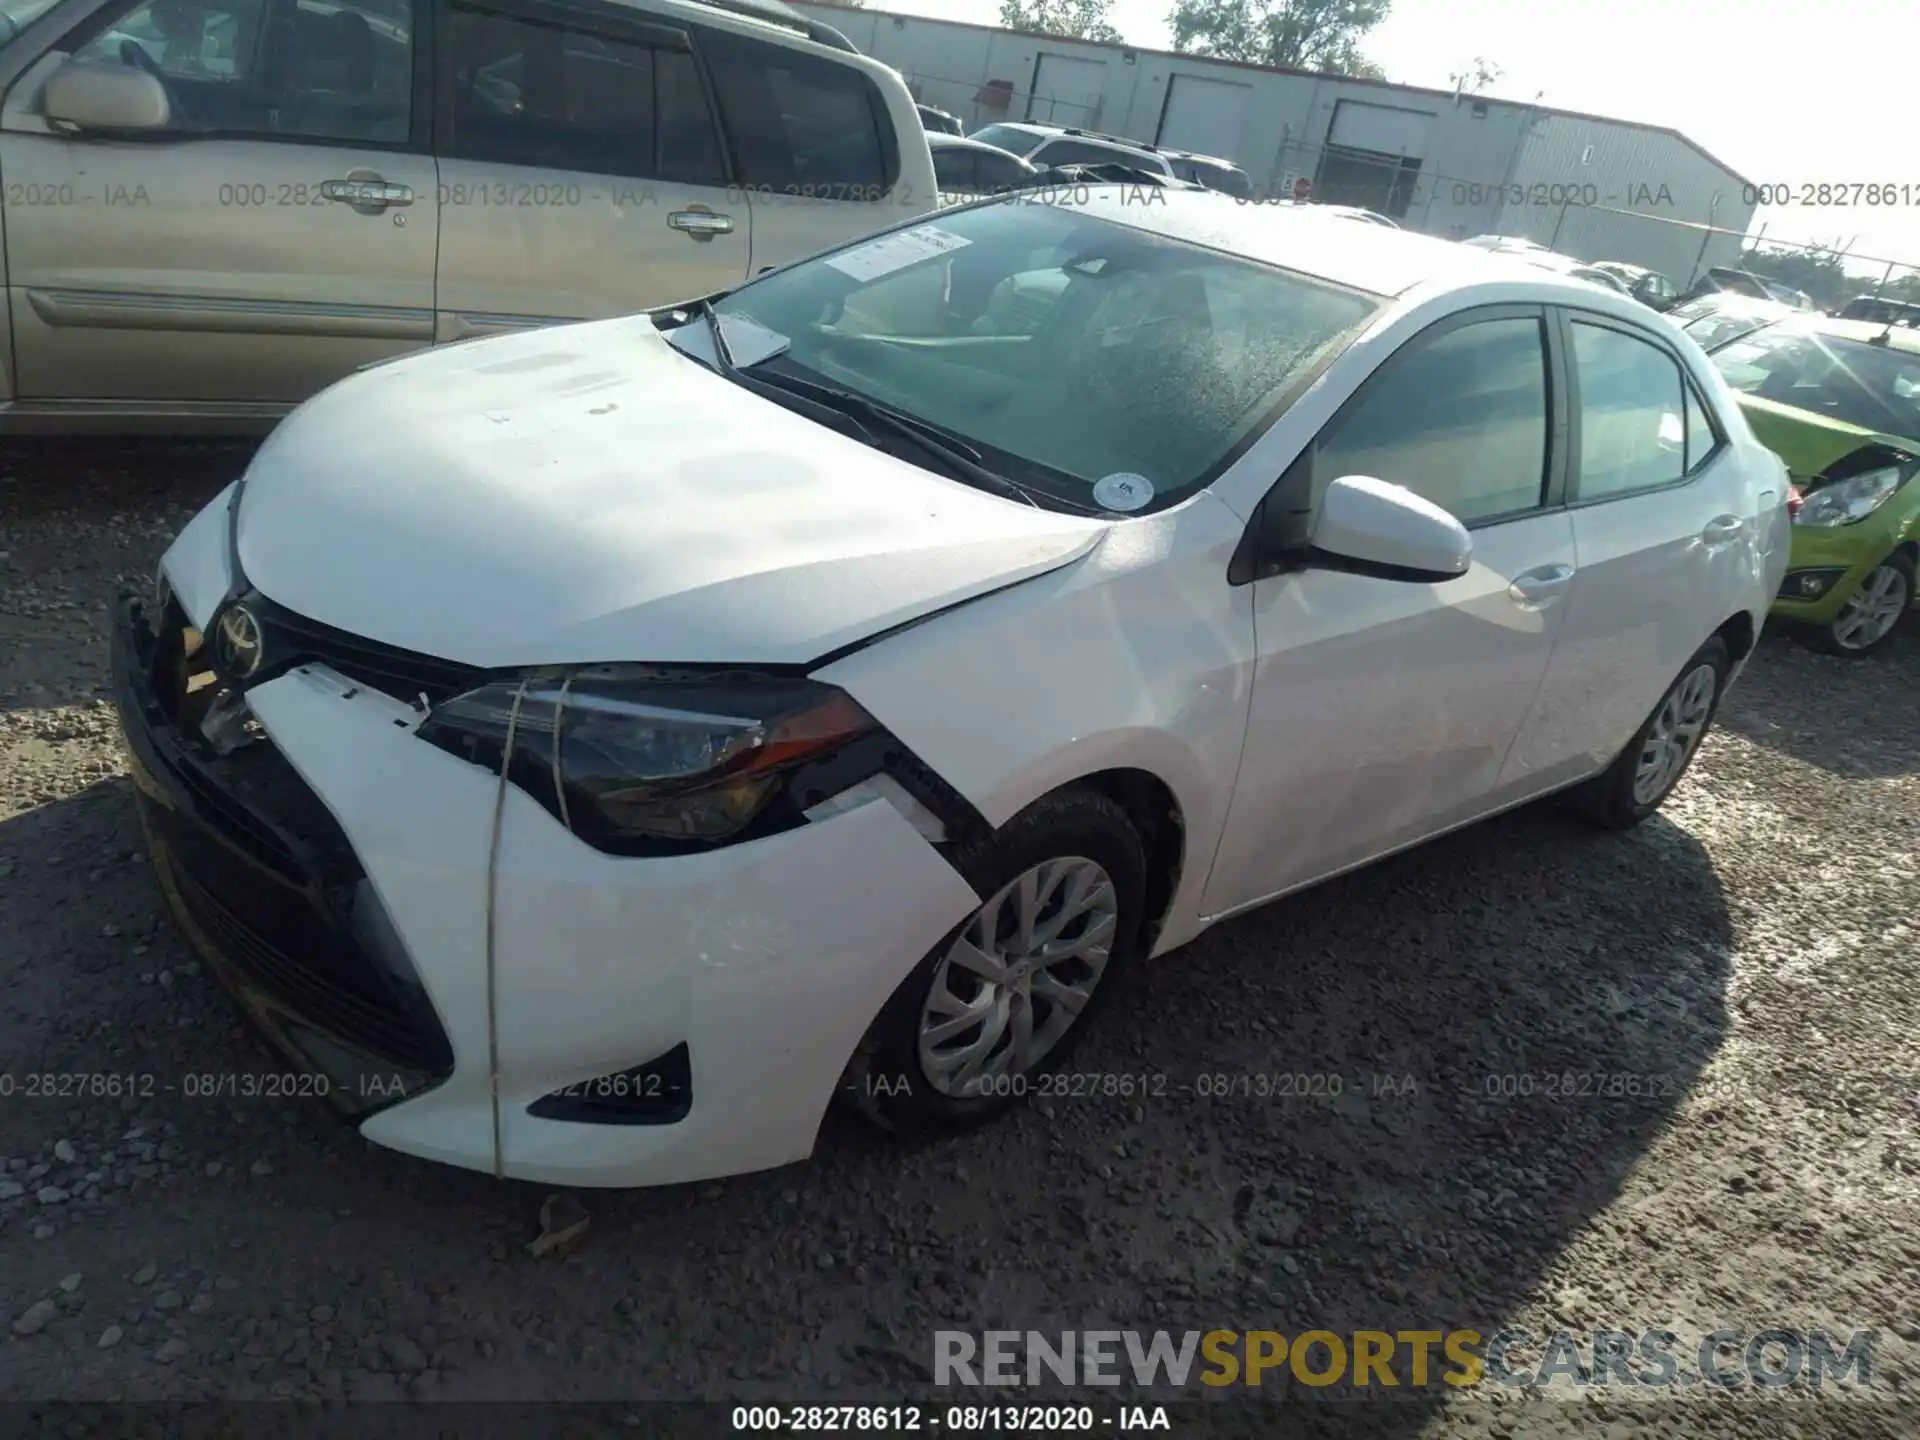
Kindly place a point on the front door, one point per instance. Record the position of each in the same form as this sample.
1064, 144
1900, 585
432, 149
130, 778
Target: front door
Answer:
277, 234
581, 171
1383, 710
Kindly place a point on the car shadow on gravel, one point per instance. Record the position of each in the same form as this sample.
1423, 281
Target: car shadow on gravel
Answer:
1804, 690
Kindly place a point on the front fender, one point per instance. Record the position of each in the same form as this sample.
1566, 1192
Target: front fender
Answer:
1137, 657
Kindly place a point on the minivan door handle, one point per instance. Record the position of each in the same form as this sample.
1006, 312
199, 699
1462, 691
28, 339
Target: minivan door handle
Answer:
364, 192
1723, 529
1541, 584
700, 224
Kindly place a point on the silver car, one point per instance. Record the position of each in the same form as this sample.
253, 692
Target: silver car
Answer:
215, 208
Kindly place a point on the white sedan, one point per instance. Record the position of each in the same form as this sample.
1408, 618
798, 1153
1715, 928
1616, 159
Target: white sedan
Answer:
589, 752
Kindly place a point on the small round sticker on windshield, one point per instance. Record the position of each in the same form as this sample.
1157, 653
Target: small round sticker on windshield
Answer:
1122, 490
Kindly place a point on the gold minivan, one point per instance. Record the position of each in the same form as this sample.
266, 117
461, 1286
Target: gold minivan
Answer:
216, 208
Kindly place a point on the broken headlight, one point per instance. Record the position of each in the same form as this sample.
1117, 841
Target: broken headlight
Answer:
631, 758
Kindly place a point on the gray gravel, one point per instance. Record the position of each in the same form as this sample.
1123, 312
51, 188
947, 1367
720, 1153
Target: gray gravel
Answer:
1755, 945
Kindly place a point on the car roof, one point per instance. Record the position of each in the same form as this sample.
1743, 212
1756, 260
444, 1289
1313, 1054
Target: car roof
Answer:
1373, 258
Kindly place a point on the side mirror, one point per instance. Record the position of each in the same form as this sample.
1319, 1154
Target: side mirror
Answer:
1376, 528
91, 95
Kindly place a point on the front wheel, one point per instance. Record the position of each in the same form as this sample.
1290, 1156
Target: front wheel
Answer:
1644, 774
1003, 998
1872, 614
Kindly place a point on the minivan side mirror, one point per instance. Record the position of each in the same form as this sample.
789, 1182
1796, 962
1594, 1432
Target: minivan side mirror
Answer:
91, 95
1381, 529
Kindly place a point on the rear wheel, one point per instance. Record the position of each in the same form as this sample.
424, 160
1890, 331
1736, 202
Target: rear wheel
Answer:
1873, 614
1004, 996
1644, 774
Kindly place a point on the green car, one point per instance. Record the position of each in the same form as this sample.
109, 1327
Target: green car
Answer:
1839, 401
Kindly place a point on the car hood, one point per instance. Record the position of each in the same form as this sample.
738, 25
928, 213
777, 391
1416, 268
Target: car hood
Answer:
587, 493
1808, 441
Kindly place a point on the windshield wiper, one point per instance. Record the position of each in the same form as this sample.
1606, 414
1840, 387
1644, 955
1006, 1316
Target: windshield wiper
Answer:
953, 454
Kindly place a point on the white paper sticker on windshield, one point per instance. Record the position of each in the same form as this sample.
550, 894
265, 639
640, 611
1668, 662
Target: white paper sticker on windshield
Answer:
749, 342
896, 251
1122, 490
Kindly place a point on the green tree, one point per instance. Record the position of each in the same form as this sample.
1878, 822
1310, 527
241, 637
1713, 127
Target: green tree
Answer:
1319, 35
1078, 19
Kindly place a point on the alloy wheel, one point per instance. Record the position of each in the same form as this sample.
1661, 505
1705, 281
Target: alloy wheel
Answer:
1676, 730
1018, 977
1876, 607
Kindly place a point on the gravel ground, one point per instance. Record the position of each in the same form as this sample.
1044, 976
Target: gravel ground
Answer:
1754, 945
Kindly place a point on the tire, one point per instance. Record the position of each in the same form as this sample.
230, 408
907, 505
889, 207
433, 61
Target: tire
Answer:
1616, 799
1894, 578
890, 1080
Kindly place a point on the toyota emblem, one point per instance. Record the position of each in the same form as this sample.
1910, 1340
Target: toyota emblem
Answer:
237, 643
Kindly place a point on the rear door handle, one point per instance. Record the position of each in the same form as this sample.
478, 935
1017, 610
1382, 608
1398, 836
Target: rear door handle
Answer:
700, 224
365, 194
1723, 529
1541, 584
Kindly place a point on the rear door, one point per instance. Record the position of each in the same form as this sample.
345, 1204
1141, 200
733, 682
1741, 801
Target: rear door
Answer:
1663, 534
276, 234
581, 168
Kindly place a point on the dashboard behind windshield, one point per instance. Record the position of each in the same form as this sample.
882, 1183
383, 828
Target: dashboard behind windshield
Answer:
1069, 349
1872, 386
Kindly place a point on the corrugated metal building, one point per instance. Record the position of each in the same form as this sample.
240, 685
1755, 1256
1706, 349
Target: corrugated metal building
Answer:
1452, 165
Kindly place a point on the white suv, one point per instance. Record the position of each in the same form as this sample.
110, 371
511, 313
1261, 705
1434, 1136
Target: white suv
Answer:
216, 209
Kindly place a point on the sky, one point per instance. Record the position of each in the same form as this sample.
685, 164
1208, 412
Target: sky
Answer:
1783, 94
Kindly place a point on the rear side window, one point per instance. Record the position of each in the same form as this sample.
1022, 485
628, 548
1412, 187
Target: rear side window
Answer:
1633, 429
1702, 439
1460, 419
1000, 171
801, 124
530, 93
956, 169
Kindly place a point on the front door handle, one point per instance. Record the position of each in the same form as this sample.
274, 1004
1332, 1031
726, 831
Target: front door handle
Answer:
1541, 584
700, 224
1723, 529
364, 192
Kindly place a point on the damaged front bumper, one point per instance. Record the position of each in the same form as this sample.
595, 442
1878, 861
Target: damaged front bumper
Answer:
339, 875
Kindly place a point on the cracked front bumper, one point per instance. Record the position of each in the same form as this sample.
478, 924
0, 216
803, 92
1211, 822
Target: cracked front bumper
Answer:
336, 873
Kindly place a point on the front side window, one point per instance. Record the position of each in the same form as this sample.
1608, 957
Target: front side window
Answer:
531, 93
956, 170
1460, 419
1633, 429
1873, 386
802, 125
276, 68
1065, 347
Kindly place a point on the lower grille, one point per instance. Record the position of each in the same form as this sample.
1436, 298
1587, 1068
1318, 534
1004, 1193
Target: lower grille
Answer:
324, 997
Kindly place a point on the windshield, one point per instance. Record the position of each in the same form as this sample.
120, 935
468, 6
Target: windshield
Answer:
16, 15
1870, 386
1067, 349
1007, 137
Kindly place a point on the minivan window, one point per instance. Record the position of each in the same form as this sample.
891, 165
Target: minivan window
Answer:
1063, 346
1460, 420
802, 125
316, 69
531, 93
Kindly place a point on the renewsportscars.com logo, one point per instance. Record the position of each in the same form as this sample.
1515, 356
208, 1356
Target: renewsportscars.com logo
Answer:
1377, 1360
